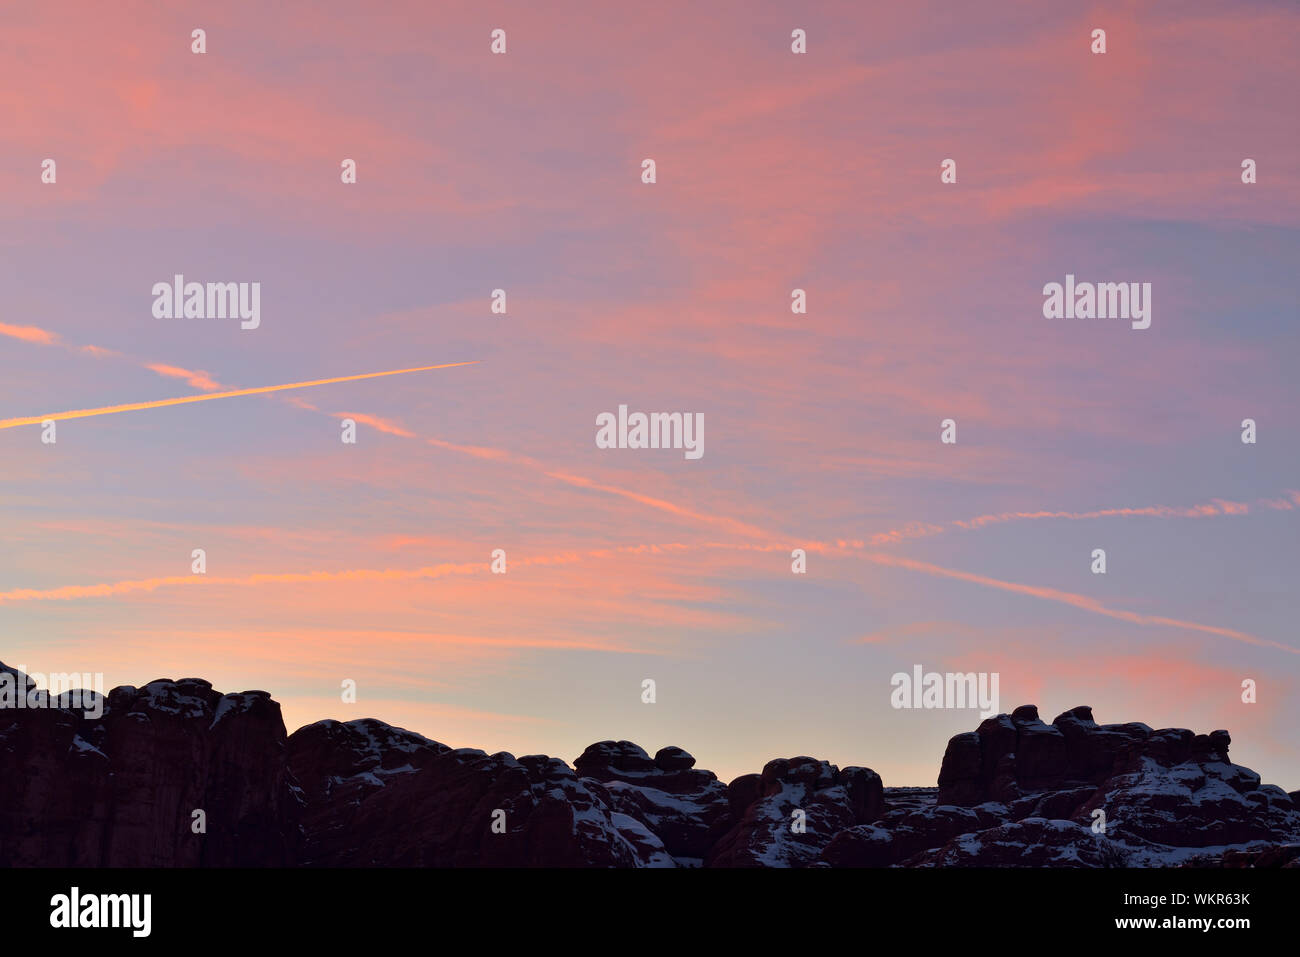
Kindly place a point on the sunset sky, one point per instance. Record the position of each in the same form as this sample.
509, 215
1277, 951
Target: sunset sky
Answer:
775, 171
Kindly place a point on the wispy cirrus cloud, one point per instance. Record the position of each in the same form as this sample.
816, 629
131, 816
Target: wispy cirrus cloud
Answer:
1082, 602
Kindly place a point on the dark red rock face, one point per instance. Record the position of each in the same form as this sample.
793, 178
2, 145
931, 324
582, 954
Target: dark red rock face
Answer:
798, 808
378, 795
121, 789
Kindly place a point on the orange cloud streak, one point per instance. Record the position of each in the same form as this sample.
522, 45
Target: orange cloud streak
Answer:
374, 421
99, 352
1082, 602
29, 334
199, 379
107, 589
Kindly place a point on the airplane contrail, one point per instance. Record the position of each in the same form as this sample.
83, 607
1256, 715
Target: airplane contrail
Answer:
182, 400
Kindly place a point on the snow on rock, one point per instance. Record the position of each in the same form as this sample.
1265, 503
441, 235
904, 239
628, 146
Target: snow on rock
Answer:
121, 789
800, 805
688, 809
1018, 793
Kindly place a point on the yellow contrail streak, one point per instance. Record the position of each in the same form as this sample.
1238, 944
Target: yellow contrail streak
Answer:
159, 403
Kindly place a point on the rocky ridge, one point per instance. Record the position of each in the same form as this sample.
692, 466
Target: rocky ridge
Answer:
123, 789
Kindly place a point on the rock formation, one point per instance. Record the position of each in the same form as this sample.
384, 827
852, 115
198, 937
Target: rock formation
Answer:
125, 789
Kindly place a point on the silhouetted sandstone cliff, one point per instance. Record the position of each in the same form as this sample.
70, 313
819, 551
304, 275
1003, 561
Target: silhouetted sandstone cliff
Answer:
123, 789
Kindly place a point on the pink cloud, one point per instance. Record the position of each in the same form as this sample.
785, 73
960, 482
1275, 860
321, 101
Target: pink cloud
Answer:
29, 334
199, 379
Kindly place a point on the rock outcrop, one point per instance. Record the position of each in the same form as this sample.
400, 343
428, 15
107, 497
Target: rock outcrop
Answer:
1079, 794
175, 774
123, 789
793, 810
378, 795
